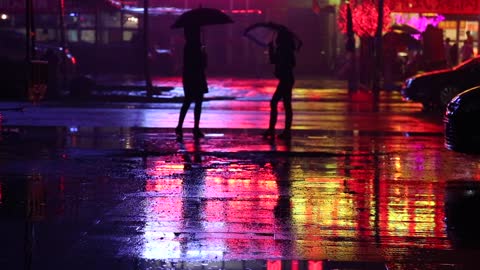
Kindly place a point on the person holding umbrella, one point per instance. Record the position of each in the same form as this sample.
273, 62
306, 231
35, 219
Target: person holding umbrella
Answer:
282, 55
193, 79
195, 62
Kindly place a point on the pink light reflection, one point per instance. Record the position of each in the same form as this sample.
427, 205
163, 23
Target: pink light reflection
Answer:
418, 22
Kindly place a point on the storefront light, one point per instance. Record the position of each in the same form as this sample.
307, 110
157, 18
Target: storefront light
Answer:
133, 19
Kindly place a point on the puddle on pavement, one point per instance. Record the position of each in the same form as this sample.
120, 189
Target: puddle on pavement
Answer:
194, 205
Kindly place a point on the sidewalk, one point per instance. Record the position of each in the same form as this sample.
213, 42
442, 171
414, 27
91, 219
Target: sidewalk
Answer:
117, 88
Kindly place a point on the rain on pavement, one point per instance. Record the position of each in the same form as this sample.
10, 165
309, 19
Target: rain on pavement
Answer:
107, 186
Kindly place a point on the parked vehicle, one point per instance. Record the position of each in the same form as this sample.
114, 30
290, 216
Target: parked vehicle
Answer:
122, 58
13, 65
462, 200
462, 132
435, 89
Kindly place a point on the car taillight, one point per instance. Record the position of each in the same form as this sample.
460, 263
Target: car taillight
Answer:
74, 60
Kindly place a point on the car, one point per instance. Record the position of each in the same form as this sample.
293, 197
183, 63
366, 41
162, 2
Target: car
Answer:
435, 89
462, 133
461, 203
122, 58
13, 65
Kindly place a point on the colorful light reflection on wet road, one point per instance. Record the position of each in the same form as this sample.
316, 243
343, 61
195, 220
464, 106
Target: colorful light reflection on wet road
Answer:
352, 185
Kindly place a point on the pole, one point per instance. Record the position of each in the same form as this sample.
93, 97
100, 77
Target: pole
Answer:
148, 78
351, 52
33, 31
28, 44
61, 20
28, 29
378, 55
230, 38
98, 28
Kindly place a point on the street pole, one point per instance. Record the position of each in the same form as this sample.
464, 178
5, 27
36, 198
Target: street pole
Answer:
28, 44
350, 49
148, 78
33, 31
28, 29
61, 19
378, 55
230, 38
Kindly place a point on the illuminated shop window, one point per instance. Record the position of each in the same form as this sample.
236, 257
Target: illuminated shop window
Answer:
87, 36
72, 35
128, 35
449, 29
130, 21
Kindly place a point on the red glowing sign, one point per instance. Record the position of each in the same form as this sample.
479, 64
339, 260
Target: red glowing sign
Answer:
365, 18
436, 6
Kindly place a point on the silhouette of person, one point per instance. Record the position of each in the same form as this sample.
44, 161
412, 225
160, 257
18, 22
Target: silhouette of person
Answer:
282, 55
467, 50
194, 80
454, 54
447, 47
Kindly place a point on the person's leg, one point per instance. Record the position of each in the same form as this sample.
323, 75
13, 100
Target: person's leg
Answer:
181, 117
286, 90
196, 114
287, 105
273, 112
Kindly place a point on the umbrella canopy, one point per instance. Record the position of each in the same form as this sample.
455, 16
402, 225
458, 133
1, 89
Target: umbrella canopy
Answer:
263, 33
405, 28
200, 17
397, 40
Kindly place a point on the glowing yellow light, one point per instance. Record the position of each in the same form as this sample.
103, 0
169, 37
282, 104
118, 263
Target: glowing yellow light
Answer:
132, 19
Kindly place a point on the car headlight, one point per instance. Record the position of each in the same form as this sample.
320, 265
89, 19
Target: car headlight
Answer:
408, 82
453, 105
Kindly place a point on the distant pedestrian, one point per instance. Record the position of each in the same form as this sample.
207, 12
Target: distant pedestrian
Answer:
194, 79
454, 54
282, 55
467, 50
447, 48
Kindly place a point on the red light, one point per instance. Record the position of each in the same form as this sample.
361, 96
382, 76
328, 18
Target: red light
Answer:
274, 265
315, 265
247, 11
74, 60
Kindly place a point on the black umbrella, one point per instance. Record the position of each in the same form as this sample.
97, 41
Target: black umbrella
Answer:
200, 17
405, 28
394, 39
262, 33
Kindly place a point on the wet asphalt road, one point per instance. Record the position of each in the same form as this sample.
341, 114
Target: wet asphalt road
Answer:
91, 185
